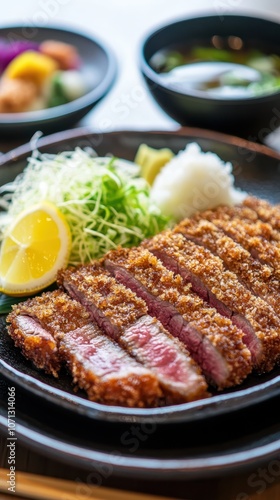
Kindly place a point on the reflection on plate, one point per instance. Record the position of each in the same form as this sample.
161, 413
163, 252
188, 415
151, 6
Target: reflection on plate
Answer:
196, 449
256, 170
183, 451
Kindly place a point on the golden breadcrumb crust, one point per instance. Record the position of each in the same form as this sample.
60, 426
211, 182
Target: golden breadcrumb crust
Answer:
60, 316
123, 309
115, 301
226, 287
215, 329
264, 210
259, 278
258, 238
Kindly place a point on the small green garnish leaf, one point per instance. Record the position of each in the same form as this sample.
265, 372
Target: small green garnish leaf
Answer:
7, 302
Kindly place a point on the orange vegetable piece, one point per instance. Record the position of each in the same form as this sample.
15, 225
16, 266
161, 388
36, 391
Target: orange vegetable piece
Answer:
64, 54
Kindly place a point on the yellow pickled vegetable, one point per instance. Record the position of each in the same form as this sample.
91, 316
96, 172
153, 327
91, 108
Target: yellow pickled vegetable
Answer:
152, 160
31, 65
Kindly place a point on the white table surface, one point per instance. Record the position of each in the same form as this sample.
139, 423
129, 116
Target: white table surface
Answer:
122, 24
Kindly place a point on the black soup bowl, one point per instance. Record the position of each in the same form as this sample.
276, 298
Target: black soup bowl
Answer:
252, 116
98, 68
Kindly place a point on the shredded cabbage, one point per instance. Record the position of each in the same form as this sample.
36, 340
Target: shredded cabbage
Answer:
104, 200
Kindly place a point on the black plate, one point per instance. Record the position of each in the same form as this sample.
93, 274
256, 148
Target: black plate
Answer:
199, 449
256, 170
99, 69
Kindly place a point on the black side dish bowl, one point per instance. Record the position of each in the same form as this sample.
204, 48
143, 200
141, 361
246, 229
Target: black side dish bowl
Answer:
251, 117
98, 68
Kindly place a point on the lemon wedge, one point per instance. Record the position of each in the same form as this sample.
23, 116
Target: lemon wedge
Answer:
152, 160
34, 248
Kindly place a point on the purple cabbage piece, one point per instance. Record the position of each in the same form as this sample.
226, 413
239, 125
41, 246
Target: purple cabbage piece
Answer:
10, 50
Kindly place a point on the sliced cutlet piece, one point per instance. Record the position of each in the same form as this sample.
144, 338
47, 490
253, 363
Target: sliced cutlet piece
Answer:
26, 325
258, 277
97, 364
221, 289
264, 210
212, 340
107, 373
123, 316
255, 238
242, 215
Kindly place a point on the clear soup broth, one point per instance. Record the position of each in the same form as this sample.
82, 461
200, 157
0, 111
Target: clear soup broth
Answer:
224, 68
